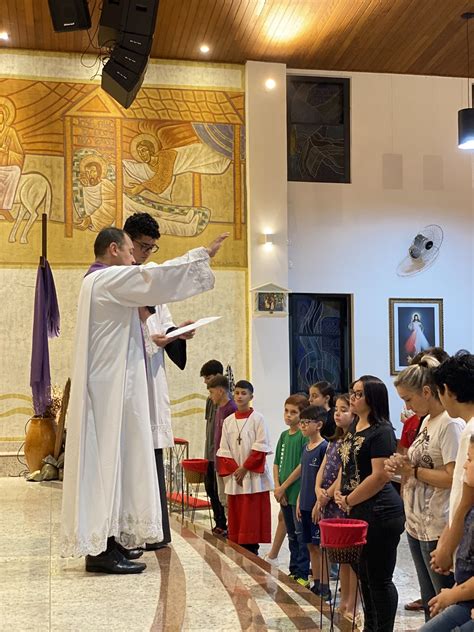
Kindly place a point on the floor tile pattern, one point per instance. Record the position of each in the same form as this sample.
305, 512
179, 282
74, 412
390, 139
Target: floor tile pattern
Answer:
200, 583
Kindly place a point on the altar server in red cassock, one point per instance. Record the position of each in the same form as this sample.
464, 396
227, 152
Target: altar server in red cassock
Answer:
242, 461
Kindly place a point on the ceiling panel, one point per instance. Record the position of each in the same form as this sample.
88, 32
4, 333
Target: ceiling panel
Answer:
398, 36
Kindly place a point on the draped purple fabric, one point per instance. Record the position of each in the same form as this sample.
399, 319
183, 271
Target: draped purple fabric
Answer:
45, 325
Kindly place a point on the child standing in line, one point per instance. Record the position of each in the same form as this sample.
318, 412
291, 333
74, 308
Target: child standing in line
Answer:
209, 370
327, 481
312, 420
286, 473
322, 394
241, 459
277, 542
219, 393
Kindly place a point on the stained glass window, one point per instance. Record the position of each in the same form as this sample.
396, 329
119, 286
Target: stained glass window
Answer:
318, 129
320, 340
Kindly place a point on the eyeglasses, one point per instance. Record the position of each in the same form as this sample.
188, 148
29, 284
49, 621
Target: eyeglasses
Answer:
306, 422
356, 394
146, 248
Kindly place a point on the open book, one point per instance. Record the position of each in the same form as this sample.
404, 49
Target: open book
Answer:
199, 323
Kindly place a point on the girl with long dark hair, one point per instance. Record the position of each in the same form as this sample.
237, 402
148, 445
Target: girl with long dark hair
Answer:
323, 394
366, 494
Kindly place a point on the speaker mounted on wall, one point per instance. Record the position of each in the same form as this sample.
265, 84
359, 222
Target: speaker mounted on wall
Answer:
69, 15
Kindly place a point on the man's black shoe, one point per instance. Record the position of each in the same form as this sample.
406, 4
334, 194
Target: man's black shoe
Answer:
156, 546
114, 563
130, 554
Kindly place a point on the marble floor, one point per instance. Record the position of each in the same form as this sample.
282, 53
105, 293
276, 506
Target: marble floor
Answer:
200, 583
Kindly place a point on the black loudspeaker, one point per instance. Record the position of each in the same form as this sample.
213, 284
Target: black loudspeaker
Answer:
132, 61
130, 23
136, 43
121, 83
69, 15
140, 17
110, 21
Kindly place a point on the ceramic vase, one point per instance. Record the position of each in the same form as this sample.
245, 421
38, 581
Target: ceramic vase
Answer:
39, 441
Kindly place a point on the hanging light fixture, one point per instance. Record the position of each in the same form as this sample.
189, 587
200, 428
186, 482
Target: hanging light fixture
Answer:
466, 116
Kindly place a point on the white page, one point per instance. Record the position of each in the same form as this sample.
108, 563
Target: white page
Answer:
199, 323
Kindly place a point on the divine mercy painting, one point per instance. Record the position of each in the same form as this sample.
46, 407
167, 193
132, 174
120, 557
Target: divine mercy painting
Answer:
415, 326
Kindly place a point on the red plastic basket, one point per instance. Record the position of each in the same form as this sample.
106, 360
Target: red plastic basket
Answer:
195, 465
195, 470
343, 538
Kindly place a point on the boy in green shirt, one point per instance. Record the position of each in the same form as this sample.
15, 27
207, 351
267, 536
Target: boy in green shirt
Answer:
286, 473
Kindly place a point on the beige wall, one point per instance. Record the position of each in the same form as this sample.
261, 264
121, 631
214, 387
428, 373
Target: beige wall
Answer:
349, 238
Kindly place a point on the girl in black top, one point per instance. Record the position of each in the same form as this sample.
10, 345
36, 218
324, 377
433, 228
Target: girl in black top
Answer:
366, 494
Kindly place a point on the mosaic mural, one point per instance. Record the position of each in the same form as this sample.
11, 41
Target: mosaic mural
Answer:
68, 150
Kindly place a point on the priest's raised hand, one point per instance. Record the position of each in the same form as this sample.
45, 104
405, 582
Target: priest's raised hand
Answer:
215, 246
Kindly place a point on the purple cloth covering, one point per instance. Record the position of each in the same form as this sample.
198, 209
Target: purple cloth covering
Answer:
45, 325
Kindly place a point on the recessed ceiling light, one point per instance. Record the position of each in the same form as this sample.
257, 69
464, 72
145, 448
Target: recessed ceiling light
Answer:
4, 36
270, 84
204, 48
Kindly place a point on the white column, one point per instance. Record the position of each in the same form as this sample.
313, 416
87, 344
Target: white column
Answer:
267, 212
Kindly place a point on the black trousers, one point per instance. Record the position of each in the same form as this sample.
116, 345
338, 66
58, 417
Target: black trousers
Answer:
375, 571
253, 548
210, 483
160, 470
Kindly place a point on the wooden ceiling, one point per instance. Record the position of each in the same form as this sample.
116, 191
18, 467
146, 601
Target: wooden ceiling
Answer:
396, 36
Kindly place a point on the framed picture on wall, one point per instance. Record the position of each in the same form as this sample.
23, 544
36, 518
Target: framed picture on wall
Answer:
415, 325
270, 300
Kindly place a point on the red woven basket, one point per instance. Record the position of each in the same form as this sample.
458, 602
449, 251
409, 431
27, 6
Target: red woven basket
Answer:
343, 538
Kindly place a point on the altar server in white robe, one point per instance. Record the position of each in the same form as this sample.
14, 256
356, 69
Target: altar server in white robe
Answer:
110, 494
157, 321
156, 324
242, 461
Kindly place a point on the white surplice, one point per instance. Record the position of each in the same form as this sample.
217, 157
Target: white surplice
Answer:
110, 484
160, 406
254, 435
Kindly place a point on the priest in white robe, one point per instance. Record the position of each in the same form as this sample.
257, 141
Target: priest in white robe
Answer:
111, 500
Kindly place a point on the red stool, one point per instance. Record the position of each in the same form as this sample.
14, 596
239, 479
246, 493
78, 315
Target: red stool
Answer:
195, 472
176, 454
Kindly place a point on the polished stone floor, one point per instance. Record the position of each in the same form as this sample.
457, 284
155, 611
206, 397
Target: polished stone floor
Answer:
200, 583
